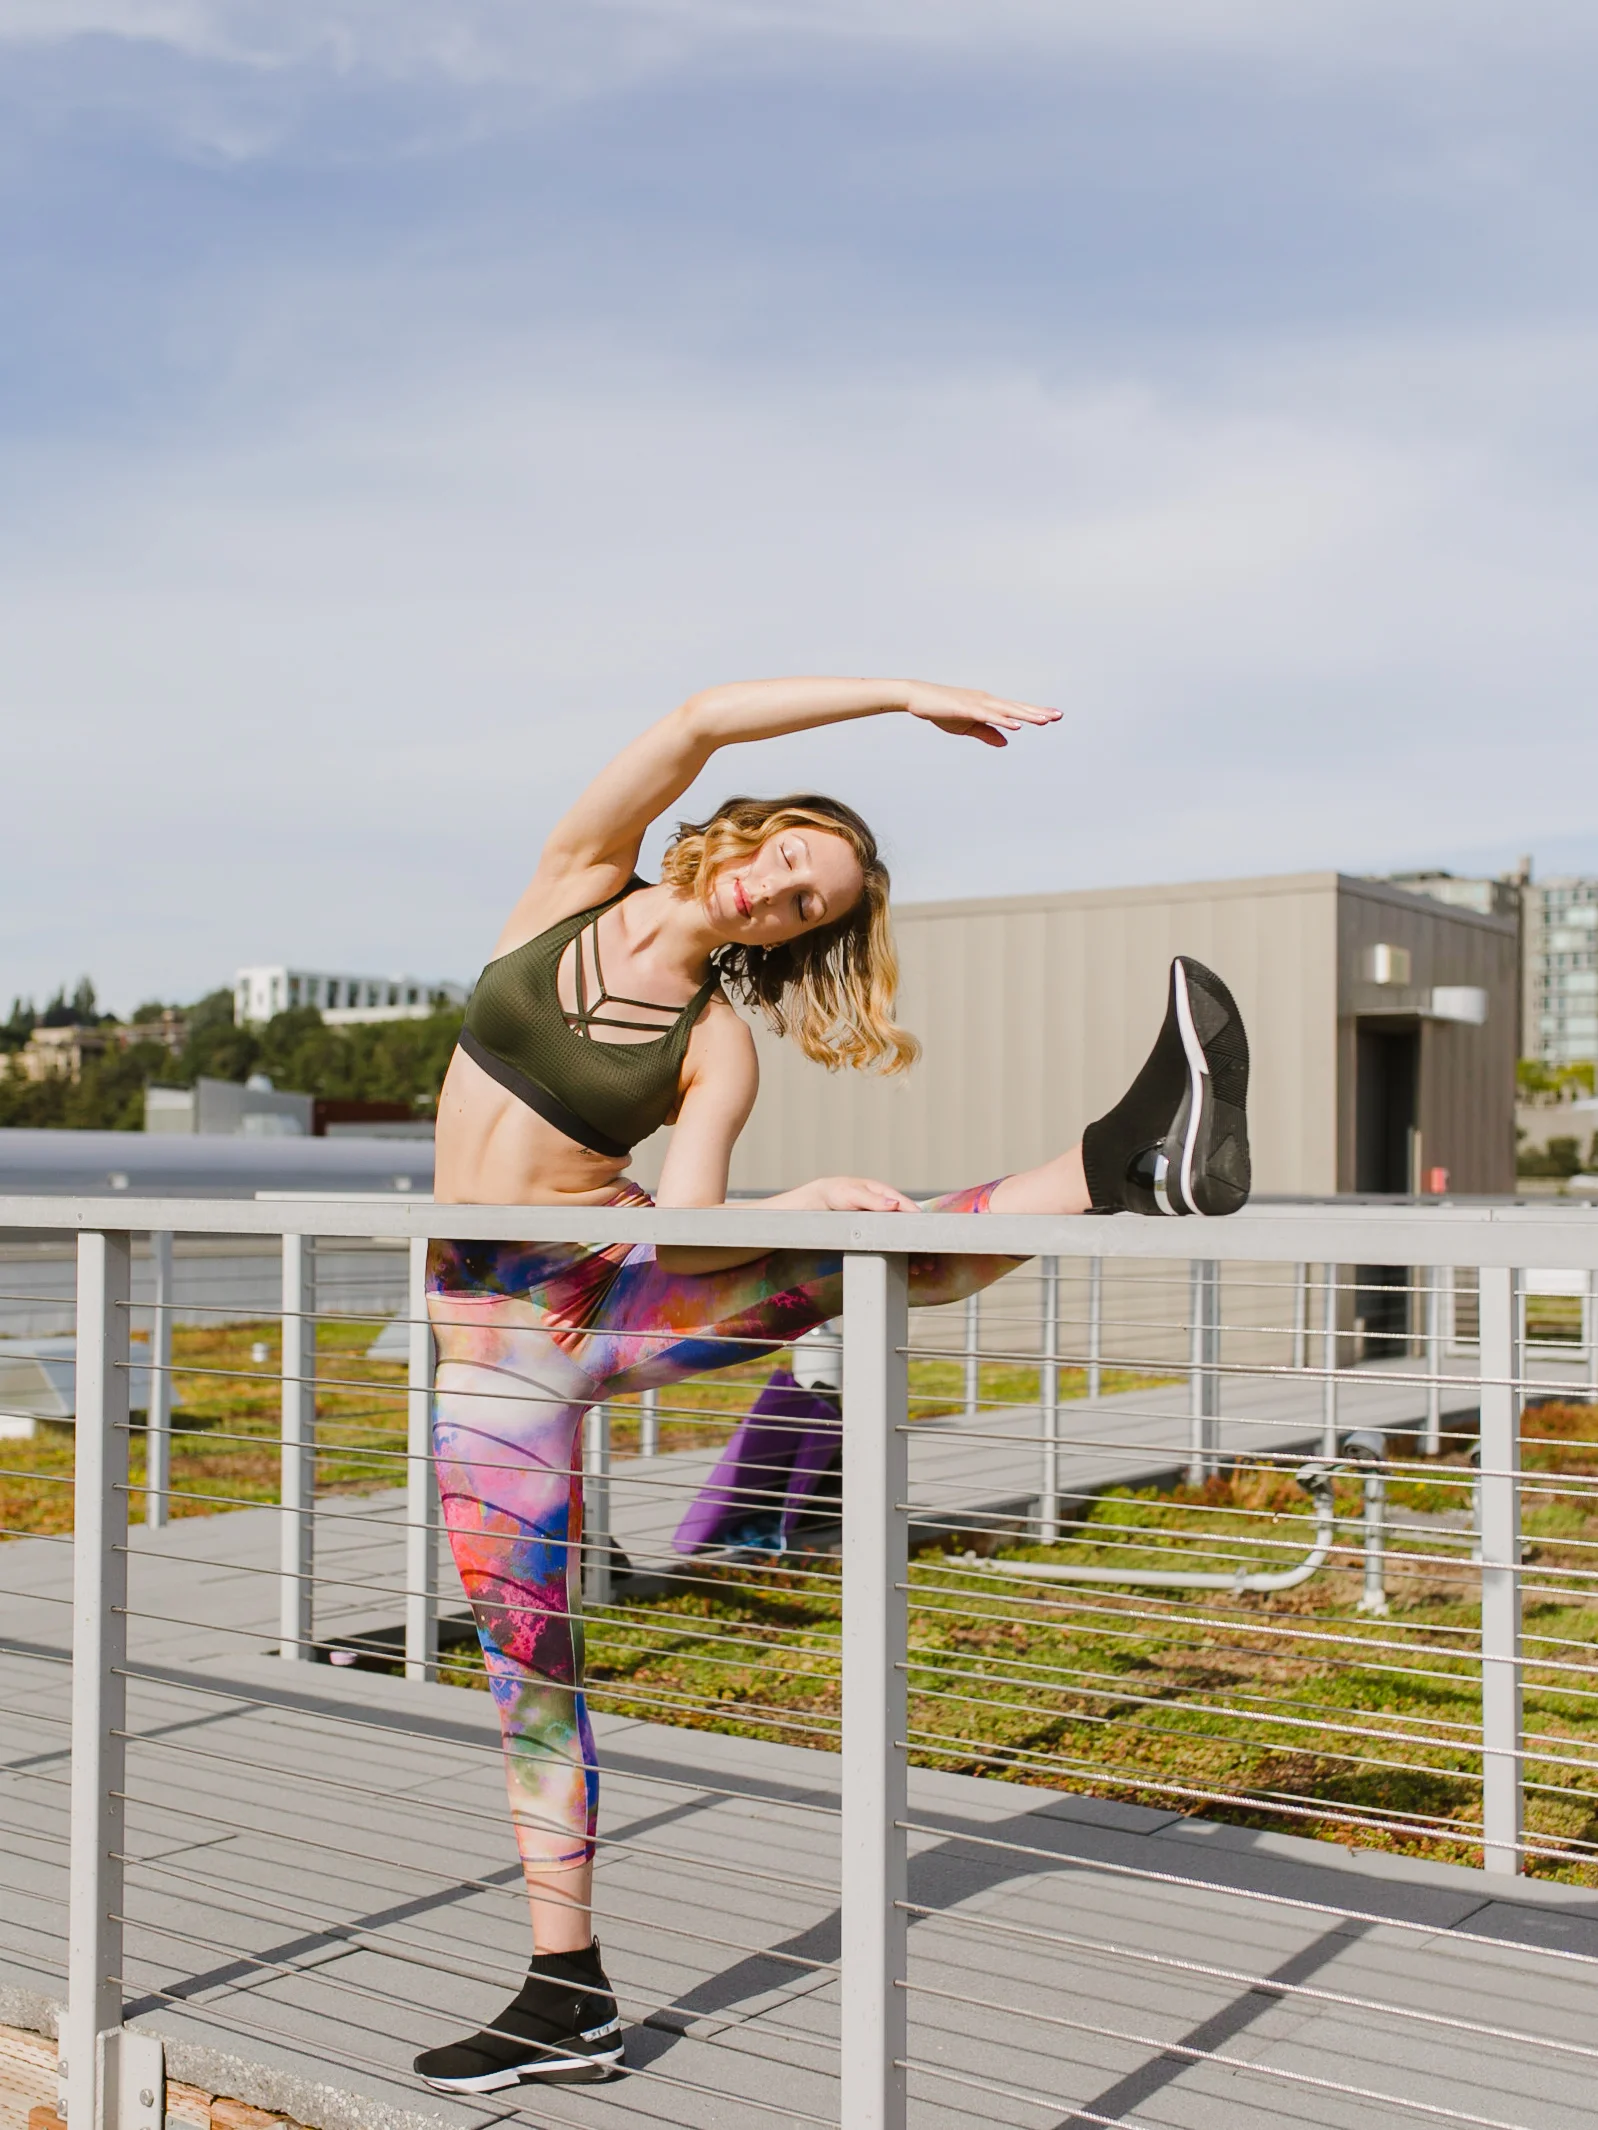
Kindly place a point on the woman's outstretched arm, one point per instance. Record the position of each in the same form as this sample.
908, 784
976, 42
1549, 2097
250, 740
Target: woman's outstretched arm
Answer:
608, 823
724, 1078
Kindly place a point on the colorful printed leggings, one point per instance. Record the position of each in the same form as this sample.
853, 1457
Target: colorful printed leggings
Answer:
529, 1336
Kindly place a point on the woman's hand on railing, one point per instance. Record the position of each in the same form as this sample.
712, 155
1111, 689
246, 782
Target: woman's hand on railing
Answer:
826, 1194
845, 1194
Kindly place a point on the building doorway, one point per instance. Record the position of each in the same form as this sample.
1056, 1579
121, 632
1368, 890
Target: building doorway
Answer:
1386, 1117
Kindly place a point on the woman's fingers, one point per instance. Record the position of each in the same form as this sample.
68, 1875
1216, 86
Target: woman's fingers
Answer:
1012, 713
966, 728
975, 711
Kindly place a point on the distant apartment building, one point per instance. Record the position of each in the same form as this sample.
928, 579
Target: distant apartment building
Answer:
1560, 955
271, 988
1558, 929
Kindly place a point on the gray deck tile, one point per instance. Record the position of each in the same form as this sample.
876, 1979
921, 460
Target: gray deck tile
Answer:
305, 1842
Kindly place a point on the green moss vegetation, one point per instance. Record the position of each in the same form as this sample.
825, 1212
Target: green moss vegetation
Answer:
1288, 1709
225, 1431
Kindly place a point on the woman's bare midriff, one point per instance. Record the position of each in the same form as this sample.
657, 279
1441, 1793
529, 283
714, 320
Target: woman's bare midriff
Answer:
493, 1150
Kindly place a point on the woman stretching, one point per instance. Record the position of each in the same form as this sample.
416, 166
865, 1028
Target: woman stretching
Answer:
603, 1015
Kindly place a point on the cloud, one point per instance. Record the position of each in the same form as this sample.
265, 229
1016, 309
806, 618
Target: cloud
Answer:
400, 406
338, 684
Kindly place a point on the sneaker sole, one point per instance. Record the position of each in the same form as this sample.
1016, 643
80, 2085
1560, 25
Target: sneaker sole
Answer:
559, 2070
1182, 1179
551, 2069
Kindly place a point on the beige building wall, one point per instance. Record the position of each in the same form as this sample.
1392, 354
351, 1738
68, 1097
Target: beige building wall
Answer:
1035, 1011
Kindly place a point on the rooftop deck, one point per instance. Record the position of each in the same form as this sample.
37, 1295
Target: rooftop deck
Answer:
317, 1851
305, 1873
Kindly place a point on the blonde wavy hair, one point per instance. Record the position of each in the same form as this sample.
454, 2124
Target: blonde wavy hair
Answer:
832, 989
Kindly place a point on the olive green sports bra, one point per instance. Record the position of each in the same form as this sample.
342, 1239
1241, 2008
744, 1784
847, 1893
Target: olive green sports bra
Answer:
606, 1096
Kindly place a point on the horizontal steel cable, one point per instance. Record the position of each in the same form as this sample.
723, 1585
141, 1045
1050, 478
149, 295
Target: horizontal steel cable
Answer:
343, 1983
921, 1657
274, 1635
1451, 1936
446, 1809
1467, 1831
1184, 2050
1131, 1608
1374, 1817
1154, 1730
442, 1957
513, 1894
682, 1575
742, 1871
1313, 1992
921, 1609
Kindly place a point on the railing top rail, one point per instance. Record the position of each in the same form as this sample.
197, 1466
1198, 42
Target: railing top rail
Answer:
1525, 1235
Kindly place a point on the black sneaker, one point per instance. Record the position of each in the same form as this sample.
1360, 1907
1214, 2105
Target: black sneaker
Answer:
1177, 1141
562, 2027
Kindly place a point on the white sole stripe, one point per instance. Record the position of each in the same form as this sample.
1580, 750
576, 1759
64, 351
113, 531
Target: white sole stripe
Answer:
515, 2075
1198, 1071
1162, 1178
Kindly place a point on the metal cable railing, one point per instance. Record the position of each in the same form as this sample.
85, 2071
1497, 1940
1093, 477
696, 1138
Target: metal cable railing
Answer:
1126, 1556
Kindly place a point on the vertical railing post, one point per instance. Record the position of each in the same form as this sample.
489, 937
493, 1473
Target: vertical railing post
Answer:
972, 1385
1503, 1790
596, 1506
158, 1413
876, 1568
421, 1482
1204, 1382
1301, 1316
1432, 1441
1590, 1332
99, 1661
1373, 1595
1329, 1366
1095, 1382
1049, 1400
297, 1485
649, 1424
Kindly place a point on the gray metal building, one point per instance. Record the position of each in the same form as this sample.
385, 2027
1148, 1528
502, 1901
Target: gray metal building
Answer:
1383, 1026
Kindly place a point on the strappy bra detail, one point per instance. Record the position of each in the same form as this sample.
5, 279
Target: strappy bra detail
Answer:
606, 1096
585, 1018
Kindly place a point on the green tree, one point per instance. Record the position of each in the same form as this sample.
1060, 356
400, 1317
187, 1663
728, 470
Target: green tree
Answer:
16, 1031
1558, 1158
385, 1061
1537, 1081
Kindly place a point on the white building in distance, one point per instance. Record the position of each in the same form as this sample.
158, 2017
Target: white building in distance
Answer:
1562, 970
270, 988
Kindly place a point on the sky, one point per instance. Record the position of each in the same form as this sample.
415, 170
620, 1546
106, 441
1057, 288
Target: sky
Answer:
401, 406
